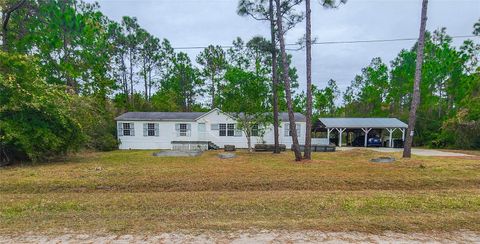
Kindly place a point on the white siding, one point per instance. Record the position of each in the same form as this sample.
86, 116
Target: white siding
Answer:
167, 134
216, 117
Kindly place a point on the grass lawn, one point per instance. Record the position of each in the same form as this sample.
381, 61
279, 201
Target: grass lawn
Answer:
134, 192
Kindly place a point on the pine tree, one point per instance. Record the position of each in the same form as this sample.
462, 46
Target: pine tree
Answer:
416, 86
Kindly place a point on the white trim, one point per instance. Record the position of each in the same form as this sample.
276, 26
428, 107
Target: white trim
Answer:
328, 133
340, 132
366, 130
390, 130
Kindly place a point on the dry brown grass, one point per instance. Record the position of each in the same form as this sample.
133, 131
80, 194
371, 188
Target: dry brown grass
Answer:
131, 191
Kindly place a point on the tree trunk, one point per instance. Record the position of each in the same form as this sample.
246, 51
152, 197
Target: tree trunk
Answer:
69, 81
131, 77
6, 13
4, 31
308, 38
440, 100
212, 92
249, 141
183, 83
145, 80
274, 79
149, 84
124, 78
416, 86
286, 79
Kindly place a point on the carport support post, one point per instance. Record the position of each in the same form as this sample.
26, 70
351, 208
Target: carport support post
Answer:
366, 130
328, 134
403, 134
340, 131
390, 143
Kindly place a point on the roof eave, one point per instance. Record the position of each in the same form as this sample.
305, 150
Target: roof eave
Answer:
166, 120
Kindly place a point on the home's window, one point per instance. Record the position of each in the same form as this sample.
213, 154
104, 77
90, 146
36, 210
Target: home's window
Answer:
222, 129
255, 130
151, 129
183, 129
226, 129
230, 129
126, 129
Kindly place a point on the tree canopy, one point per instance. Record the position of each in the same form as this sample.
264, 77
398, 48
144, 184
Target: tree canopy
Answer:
67, 70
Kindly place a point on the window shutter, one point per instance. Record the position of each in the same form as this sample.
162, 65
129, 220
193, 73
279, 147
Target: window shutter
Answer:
145, 129
189, 129
214, 127
299, 129
132, 129
157, 130
286, 130
177, 127
119, 129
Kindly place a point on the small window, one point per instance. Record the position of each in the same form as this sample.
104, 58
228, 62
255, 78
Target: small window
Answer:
255, 130
126, 129
183, 129
230, 129
222, 129
151, 129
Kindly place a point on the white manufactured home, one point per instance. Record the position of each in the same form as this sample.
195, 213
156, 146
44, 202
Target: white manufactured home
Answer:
165, 130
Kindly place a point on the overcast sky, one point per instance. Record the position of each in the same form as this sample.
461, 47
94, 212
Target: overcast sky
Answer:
204, 22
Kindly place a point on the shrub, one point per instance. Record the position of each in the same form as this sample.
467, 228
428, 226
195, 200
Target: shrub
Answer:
96, 117
35, 120
461, 132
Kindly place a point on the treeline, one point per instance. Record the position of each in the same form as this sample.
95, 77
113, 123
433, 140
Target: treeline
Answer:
66, 70
449, 112
92, 68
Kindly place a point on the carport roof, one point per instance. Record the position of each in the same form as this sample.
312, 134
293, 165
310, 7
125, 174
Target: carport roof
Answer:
362, 123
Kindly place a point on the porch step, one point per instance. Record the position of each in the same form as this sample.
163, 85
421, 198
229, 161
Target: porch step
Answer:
212, 146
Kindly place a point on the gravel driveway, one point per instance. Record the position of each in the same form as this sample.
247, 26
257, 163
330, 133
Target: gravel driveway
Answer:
415, 151
253, 237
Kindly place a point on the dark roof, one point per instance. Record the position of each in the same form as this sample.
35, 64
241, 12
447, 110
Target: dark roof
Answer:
283, 116
362, 123
159, 116
184, 116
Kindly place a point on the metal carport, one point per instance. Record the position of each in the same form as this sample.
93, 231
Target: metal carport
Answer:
365, 124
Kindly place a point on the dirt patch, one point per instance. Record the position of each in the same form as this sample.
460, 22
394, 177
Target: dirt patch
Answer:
252, 237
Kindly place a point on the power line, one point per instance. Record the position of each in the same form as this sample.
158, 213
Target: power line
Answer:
384, 40
332, 42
